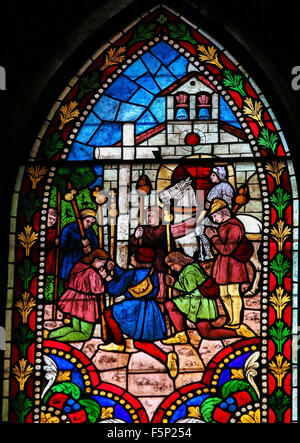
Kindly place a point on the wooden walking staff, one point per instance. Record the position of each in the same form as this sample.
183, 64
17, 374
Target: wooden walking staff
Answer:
70, 196
101, 199
143, 188
56, 264
242, 197
112, 213
168, 218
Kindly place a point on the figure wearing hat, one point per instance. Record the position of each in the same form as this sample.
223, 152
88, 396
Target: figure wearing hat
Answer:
81, 298
154, 235
138, 316
221, 190
193, 300
73, 246
229, 267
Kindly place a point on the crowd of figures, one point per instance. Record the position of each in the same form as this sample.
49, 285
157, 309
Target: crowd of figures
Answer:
163, 288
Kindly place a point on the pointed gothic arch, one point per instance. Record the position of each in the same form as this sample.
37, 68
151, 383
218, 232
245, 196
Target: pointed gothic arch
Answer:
113, 124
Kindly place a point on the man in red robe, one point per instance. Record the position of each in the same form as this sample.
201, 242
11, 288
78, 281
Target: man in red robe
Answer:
81, 298
51, 240
154, 235
229, 267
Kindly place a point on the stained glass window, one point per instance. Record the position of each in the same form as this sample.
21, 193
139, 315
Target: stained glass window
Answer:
154, 243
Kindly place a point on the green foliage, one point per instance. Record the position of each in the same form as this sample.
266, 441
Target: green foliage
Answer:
234, 82
143, 32
53, 197
26, 270
280, 267
280, 200
238, 385
280, 334
23, 337
67, 214
268, 140
30, 203
92, 409
279, 402
88, 83
67, 388
208, 407
21, 405
49, 287
79, 178
162, 19
53, 144
180, 32
84, 200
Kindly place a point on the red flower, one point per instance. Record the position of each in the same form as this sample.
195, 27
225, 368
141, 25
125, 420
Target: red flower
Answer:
58, 400
221, 416
78, 417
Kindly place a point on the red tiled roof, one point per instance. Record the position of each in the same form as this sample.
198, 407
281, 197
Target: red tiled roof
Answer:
152, 131
176, 84
147, 134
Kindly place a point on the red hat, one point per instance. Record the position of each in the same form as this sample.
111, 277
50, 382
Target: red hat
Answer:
145, 255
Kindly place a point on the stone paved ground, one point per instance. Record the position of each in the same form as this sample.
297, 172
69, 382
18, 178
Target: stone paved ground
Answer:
145, 377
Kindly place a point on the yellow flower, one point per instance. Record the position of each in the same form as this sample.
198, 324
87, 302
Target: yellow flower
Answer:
22, 372
67, 113
107, 413
28, 239
36, 173
280, 234
276, 168
209, 55
64, 375
25, 305
48, 418
252, 417
253, 109
279, 300
279, 368
237, 373
113, 57
194, 411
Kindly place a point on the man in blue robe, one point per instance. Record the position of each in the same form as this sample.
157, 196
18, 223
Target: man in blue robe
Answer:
138, 316
72, 245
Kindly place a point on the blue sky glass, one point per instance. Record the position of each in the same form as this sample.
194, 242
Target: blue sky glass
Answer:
134, 97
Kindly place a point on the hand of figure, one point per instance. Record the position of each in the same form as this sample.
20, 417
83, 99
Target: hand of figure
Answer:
170, 280
139, 232
209, 232
110, 265
87, 250
103, 272
85, 242
176, 292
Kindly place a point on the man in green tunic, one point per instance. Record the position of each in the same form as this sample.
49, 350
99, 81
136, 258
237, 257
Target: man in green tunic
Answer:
195, 298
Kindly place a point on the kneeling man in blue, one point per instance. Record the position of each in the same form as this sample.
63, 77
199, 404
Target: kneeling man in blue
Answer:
138, 316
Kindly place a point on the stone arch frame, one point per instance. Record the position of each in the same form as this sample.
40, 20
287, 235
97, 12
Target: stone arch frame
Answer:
261, 171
